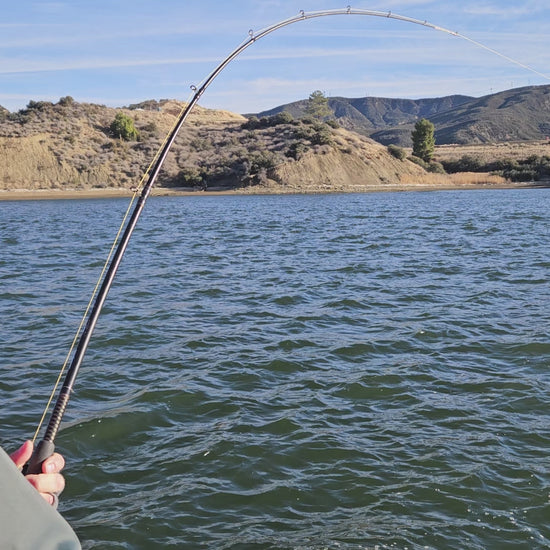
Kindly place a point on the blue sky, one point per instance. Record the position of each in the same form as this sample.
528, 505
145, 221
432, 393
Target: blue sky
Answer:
117, 52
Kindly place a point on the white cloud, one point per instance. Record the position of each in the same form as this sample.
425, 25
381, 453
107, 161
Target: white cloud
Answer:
457, 53
10, 66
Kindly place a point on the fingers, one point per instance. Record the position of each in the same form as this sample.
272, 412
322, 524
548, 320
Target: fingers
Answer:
50, 483
51, 498
47, 483
22, 455
54, 464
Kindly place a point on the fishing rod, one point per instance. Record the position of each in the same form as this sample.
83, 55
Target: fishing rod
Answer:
46, 446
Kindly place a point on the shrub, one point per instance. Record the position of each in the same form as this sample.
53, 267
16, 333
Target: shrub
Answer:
201, 144
296, 150
397, 152
190, 177
283, 117
419, 161
532, 168
304, 132
65, 101
261, 159
255, 168
466, 163
252, 123
436, 168
151, 127
520, 175
39, 105
308, 120
322, 135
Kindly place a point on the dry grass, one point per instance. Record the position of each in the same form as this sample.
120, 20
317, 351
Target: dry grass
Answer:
494, 151
460, 179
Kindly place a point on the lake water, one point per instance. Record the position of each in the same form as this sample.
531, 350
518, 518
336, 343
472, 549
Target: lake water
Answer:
291, 372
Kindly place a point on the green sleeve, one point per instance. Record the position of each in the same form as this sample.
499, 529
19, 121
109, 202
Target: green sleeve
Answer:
27, 521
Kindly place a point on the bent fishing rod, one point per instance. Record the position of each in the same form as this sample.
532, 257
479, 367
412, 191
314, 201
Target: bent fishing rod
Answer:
46, 446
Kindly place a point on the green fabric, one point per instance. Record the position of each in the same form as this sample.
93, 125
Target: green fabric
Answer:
27, 521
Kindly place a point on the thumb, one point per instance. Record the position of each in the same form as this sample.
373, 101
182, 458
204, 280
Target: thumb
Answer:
22, 455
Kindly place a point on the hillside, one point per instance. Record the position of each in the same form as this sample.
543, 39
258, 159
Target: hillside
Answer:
521, 114
513, 115
365, 115
69, 145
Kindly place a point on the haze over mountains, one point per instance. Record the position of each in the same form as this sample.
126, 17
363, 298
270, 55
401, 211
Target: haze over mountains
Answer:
513, 115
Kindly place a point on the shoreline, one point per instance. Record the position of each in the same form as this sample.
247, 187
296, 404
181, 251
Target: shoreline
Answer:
68, 194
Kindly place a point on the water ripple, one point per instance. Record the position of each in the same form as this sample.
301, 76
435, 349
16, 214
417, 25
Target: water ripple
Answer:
300, 372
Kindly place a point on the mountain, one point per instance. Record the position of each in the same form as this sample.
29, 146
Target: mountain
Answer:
367, 114
513, 115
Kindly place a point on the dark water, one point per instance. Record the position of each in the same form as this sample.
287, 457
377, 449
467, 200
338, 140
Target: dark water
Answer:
307, 372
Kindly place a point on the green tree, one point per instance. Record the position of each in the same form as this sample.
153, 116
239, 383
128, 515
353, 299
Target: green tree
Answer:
423, 140
317, 106
123, 127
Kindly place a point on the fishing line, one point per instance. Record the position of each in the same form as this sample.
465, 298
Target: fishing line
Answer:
502, 55
46, 446
389, 15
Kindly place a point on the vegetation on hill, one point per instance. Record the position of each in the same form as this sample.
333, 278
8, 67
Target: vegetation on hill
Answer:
423, 140
317, 106
123, 127
80, 145
532, 168
71, 145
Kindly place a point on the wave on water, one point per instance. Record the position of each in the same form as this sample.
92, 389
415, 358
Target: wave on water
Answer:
305, 372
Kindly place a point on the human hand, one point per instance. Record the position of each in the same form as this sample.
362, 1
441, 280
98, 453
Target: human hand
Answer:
50, 482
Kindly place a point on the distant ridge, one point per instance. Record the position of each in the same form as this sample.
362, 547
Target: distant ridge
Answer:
513, 115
